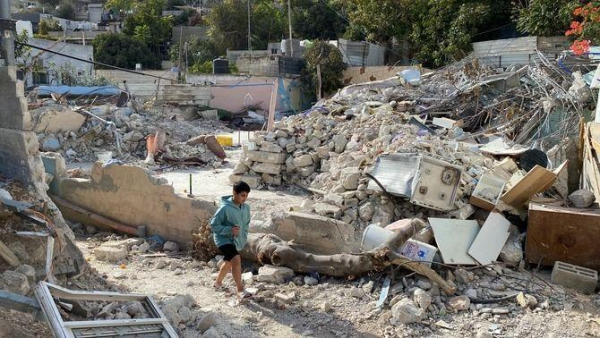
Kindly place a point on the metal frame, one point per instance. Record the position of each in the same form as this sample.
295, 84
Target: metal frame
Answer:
45, 293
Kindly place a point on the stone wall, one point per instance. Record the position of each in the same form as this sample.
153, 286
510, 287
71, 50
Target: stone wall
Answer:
20, 157
132, 196
354, 75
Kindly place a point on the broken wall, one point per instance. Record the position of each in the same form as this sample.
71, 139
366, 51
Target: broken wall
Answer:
131, 195
20, 157
353, 75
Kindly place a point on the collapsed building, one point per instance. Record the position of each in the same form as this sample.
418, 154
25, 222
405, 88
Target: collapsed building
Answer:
467, 167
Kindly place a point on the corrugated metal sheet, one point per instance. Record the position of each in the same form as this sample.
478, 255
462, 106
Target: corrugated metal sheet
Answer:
354, 53
396, 173
519, 51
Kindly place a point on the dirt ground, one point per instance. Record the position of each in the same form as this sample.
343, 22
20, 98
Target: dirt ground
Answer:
335, 307
332, 308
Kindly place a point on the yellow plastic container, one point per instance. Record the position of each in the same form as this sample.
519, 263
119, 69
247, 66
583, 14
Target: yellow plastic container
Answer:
225, 140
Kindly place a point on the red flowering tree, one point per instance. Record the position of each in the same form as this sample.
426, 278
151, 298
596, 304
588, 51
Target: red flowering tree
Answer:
585, 28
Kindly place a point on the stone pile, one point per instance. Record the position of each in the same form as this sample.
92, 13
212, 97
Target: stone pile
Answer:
332, 154
331, 148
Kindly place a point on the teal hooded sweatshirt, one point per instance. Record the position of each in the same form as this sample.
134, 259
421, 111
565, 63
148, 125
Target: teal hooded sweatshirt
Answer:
227, 216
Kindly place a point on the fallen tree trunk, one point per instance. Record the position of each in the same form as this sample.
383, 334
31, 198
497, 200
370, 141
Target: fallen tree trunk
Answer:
270, 249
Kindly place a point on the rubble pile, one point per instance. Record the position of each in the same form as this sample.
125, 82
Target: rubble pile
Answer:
332, 148
82, 135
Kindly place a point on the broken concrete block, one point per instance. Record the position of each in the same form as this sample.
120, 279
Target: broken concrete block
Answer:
325, 209
582, 198
323, 152
575, 277
111, 254
273, 180
252, 180
268, 168
336, 199
208, 321
422, 298
171, 246
406, 312
306, 171
350, 177
310, 281
240, 169
340, 142
366, 211
270, 147
57, 118
286, 299
266, 157
459, 303
274, 274
27, 270
50, 143
512, 251
15, 282
303, 161
212, 333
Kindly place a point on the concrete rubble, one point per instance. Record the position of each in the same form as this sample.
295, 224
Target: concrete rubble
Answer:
473, 152
88, 133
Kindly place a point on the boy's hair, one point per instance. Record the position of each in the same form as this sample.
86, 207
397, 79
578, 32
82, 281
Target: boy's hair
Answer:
241, 186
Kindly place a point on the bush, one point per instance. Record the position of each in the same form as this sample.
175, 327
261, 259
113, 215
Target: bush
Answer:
332, 67
123, 51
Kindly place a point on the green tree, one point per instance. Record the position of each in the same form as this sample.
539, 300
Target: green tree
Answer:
268, 23
43, 28
317, 20
147, 25
442, 30
328, 59
543, 17
124, 51
379, 21
198, 53
228, 23
120, 6
66, 10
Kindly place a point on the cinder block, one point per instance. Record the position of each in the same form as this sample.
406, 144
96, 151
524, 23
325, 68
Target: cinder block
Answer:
575, 277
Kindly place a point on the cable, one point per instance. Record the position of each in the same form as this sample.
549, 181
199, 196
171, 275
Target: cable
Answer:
92, 62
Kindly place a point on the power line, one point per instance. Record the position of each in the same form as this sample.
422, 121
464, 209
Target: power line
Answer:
92, 62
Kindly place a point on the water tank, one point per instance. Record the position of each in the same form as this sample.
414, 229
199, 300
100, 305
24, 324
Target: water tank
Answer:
220, 66
286, 48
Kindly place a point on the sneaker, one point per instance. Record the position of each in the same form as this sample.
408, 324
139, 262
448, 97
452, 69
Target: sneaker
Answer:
219, 288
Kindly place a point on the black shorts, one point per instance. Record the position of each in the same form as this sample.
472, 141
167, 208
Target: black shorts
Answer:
229, 251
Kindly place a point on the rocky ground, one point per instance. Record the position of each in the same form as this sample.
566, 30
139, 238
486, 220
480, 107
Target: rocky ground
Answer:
334, 307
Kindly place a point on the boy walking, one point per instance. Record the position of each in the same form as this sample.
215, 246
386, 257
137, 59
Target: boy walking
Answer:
230, 228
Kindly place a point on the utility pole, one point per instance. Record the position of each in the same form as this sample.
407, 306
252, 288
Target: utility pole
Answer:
290, 25
249, 39
7, 35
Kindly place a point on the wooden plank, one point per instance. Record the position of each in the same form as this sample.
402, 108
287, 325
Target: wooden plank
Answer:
590, 174
564, 234
8, 255
594, 136
536, 180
